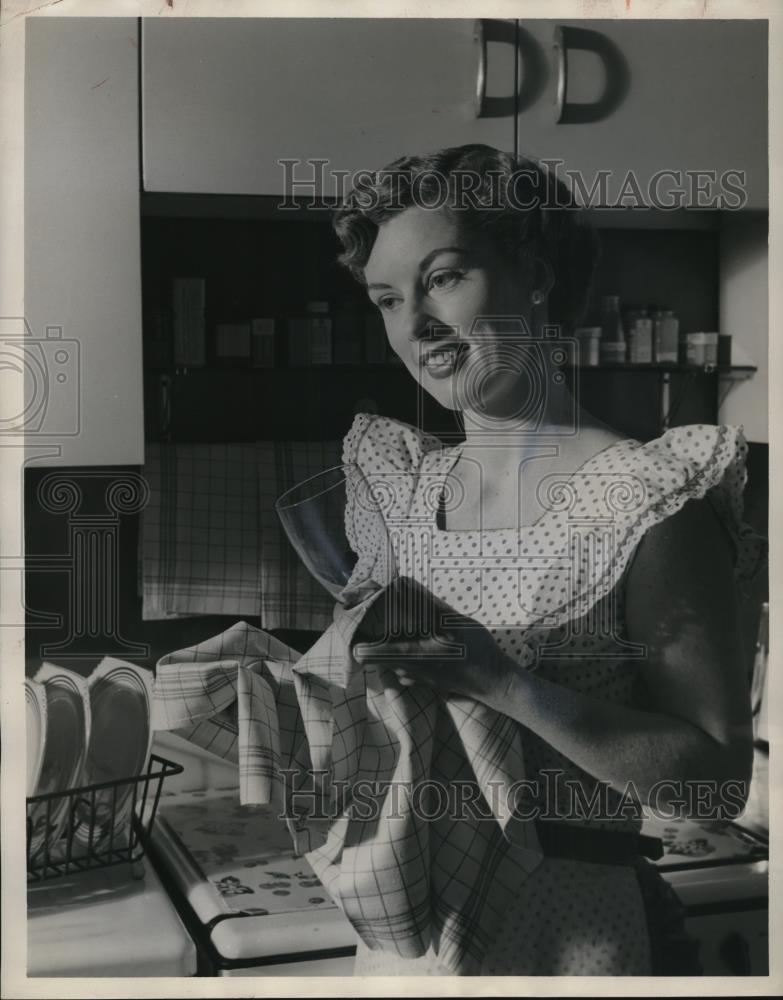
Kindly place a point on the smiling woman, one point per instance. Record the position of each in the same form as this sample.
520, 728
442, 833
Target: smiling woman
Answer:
589, 578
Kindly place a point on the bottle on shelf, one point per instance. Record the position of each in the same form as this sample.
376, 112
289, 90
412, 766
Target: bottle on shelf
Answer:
666, 330
613, 346
589, 340
639, 333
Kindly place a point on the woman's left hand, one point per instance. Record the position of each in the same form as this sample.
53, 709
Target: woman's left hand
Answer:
424, 641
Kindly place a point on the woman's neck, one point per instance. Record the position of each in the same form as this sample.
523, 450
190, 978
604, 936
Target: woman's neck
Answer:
558, 417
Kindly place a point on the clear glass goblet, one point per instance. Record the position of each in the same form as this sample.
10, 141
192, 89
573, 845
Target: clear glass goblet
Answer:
335, 523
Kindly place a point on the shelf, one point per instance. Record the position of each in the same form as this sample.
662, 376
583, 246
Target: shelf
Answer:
655, 367
385, 367
245, 370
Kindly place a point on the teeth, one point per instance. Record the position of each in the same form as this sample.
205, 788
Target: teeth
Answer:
441, 357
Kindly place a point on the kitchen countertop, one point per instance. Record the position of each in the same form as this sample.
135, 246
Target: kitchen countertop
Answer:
107, 922
254, 900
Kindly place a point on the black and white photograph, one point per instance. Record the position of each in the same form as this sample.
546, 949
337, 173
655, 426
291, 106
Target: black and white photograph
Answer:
385, 408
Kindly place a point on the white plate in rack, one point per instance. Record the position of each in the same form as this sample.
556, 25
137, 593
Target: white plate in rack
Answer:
119, 747
35, 708
67, 736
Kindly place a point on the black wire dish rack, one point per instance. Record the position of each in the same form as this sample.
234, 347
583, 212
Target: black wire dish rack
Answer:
96, 825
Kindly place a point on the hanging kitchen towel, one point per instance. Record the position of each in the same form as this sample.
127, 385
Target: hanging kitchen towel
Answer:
199, 538
409, 863
211, 542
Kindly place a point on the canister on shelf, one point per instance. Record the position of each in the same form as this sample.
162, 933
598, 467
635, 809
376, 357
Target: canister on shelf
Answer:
702, 348
613, 346
589, 339
666, 329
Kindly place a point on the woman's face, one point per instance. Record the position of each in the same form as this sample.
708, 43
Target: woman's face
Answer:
452, 309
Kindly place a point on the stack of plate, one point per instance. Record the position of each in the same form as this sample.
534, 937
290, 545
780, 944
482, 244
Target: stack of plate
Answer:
83, 732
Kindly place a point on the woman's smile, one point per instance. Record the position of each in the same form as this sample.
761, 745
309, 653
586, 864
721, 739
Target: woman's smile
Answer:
443, 361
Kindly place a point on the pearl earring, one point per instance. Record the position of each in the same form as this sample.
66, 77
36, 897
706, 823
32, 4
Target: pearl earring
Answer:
537, 297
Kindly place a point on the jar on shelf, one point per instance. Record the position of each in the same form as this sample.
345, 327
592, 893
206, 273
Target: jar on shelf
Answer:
701, 348
613, 346
666, 333
589, 340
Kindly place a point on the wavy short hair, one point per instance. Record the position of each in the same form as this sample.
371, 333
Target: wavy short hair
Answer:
520, 206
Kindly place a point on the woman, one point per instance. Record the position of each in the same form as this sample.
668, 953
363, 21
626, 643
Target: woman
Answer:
471, 258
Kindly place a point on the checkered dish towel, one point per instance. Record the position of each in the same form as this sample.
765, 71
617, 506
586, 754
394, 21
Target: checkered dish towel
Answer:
404, 869
211, 542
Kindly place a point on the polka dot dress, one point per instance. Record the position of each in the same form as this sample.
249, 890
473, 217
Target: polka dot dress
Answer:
552, 595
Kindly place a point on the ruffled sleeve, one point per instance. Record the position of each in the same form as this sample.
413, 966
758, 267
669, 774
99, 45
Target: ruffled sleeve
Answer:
388, 454
703, 460
599, 515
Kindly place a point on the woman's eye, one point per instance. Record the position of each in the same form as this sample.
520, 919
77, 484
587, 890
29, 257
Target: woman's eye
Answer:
443, 279
386, 303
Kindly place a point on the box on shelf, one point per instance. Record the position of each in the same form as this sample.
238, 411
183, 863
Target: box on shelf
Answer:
232, 341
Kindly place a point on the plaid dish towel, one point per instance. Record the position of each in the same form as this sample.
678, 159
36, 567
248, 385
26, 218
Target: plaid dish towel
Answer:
199, 537
421, 849
210, 540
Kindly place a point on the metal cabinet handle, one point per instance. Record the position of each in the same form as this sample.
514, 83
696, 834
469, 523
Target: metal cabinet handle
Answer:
561, 50
479, 36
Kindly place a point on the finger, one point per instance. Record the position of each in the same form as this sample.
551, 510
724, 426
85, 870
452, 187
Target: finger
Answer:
395, 649
367, 651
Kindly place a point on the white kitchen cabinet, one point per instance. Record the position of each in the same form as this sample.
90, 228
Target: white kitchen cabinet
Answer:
82, 350
224, 100
695, 98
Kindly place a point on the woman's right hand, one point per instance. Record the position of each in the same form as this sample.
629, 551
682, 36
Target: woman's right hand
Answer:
425, 641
